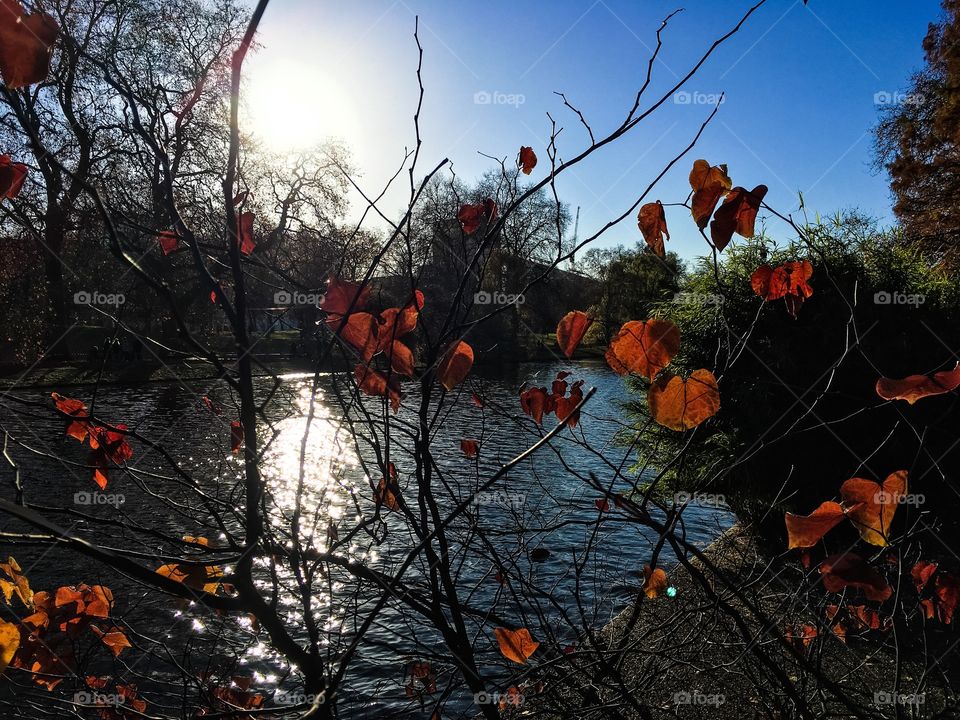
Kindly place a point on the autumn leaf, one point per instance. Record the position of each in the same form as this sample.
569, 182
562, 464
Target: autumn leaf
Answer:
455, 364
790, 278
245, 232
471, 217
643, 347
874, 505
9, 643
516, 645
108, 446
535, 402
470, 448
738, 214
683, 404
343, 297
376, 384
477, 400
169, 241
806, 531
653, 226
386, 492
848, 569
75, 408
236, 436
15, 583
26, 45
917, 387
571, 329
565, 406
12, 174
654, 581
113, 639
526, 160
942, 596
205, 578
602, 504
709, 184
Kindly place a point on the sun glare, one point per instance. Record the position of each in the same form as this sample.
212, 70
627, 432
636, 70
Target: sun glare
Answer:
291, 107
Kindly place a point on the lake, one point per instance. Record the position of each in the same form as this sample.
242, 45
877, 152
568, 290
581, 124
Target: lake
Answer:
541, 504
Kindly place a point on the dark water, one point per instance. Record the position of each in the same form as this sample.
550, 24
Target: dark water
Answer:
540, 504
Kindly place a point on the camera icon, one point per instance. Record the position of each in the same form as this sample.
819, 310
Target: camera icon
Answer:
882, 98
482, 298
84, 698
81, 298
482, 97
83, 498
681, 698
882, 298
282, 297
681, 498
482, 698
682, 98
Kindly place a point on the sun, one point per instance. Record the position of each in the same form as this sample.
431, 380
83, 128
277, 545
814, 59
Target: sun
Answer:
292, 107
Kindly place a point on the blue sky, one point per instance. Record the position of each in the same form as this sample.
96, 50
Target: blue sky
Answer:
801, 87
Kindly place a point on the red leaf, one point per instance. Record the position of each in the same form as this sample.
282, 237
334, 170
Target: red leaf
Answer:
945, 591
917, 387
653, 225
471, 217
107, 447
343, 296
477, 400
738, 214
236, 436
516, 645
455, 364
874, 505
12, 174
26, 44
603, 505
374, 383
527, 160
571, 329
245, 232
470, 448
168, 241
75, 408
534, 403
850, 570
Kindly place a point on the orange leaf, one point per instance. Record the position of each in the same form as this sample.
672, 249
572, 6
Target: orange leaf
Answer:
874, 505
17, 583
199, 577
387, 492
709, 185
470, 448
683, 404
527, 160
916, 387
738, 214
113, 639
848, 569
653, 225
75, 428
806, 531
643, 347
12, 174
516, 645
26, 44
9, 643
654, 581
455, 364
945, 591
571, 329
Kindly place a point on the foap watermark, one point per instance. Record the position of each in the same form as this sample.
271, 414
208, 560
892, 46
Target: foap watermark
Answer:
692, 298
500, 499
683, 97
99, 699
498, 298
885, 97
892, 698
698, 698
898, 298
295, 697
98, 498
484, 97
487, 697
282, 297
887, 498
95, 297
706, 499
